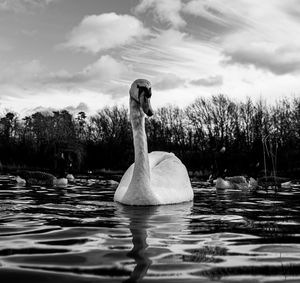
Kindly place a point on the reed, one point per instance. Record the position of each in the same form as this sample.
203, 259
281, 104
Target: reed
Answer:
270, 151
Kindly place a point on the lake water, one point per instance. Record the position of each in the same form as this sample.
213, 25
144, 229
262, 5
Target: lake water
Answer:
78, 234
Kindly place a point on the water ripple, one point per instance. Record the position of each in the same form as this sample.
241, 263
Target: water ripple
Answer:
78, 234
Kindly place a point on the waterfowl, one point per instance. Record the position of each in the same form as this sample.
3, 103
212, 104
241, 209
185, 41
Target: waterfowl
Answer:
274, 181
40, 178
158, 177
70, 177
112, 182
286, 185
235, 182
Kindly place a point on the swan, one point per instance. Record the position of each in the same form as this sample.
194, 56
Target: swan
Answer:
158, 177
40, 178
235, 182
70, 177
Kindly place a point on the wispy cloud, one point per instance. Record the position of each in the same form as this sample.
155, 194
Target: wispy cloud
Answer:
23, 6
186, 48
208, 81
165, 11
252, 37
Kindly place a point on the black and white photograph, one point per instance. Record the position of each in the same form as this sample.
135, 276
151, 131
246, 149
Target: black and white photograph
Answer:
150, 141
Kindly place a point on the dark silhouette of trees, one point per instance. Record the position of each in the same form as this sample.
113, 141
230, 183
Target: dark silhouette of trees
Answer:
252, 132
110, 144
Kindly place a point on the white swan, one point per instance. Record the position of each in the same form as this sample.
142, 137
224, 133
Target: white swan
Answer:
155, 178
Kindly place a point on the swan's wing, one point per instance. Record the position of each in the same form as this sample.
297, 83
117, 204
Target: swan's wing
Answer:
237, 179
124, 183
156, 157
169, 179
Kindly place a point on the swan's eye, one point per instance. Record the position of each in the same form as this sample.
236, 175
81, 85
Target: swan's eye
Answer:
148, 92
145, 90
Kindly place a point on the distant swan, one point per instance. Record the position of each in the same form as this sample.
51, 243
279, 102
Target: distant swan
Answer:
40, 178
155, 178
235, 182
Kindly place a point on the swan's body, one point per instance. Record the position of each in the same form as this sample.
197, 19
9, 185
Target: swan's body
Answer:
156, 178
223, 184
40, 178
70, 177
235, 182
274, 181
169, 182
286, 185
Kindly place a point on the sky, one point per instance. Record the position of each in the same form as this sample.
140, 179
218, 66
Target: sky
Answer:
82, 55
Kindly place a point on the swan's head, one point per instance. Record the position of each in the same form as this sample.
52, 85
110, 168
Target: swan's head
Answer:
140, 92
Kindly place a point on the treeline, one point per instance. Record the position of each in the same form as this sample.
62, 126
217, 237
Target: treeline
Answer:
257, 136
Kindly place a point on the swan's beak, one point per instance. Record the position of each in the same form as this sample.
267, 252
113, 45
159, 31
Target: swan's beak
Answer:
145, 103
150, 111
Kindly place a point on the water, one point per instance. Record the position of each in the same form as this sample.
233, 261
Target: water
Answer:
78, 234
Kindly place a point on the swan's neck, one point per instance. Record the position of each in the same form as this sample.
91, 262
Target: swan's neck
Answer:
139, 187
141, 160
141, 172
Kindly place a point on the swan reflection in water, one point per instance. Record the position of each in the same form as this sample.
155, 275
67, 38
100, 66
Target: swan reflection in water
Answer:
151, 228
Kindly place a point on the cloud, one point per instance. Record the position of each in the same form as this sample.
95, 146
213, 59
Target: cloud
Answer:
106, 68
81, 107
48, 98
177, 13
23, 6
208, 81
33, 73
262, 42
30, 33
31, 79
21, 72
217, 11
279, 61
96, 33
167, 81
165, 11
173, 52
293, 9
5, 45
192, 43
226, 28
168, 38
48, 111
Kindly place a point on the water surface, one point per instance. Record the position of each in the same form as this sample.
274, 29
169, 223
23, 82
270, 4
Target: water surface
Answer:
78, 234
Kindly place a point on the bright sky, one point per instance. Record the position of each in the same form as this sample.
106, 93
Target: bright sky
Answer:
84, 54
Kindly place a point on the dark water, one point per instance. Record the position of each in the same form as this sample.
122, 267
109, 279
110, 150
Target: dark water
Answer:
78, 234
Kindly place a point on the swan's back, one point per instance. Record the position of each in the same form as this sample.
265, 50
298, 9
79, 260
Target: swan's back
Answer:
40, 179
37, 178
169, 180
